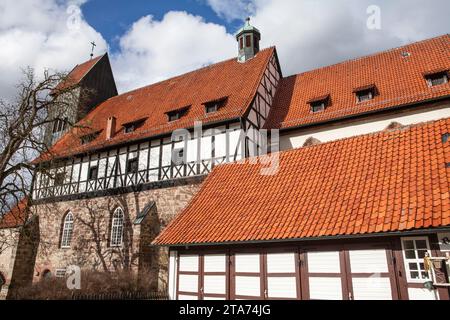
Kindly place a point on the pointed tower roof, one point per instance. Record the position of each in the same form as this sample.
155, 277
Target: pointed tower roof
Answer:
247, 28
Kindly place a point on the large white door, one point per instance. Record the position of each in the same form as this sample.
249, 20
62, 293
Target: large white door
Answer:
325, 275
369, 274
348, 273
215, 282
188, 277
248, 276
282, 276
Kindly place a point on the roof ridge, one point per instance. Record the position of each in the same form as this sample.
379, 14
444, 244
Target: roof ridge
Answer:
182, 75
369, 55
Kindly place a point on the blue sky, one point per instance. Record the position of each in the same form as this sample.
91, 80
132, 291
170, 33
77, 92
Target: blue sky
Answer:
152, 40
114, 17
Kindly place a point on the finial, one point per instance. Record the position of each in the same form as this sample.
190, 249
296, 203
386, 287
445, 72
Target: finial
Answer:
92, 51
248, 20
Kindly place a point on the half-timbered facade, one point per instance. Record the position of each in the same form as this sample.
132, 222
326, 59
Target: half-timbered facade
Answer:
350, 219
146, 153
153, 145
192, 152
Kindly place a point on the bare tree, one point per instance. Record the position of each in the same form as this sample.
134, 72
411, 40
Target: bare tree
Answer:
23, 120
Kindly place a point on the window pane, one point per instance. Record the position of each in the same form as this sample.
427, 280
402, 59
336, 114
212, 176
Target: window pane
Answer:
410, 254
408, 244
412, 266
421, 253
425, 275
421, 244
414, 275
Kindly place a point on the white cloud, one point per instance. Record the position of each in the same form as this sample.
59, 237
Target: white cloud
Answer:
232, 9
310, 33
154, 50
42, 34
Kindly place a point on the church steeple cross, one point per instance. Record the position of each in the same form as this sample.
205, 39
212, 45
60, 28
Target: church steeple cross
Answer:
92, 50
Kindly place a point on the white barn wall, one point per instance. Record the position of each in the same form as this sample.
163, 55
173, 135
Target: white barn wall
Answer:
297, 138
172, 275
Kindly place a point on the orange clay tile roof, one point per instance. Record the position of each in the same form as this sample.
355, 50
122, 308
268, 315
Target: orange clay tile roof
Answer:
16, 216
398, 79
382, 182
77, 74
236, 81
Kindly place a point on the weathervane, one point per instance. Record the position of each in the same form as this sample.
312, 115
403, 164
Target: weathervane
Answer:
92, 51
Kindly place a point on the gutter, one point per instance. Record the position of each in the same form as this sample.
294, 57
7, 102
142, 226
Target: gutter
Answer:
337, 237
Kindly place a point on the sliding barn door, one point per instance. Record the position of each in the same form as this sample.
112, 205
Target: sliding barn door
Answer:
248, 280
188, 284
324, 275
281, 275
371, 274
214, 277
349, 273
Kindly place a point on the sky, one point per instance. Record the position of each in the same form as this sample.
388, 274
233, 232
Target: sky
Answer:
152, 40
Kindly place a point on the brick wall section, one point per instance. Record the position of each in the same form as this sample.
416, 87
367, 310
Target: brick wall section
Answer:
90, 242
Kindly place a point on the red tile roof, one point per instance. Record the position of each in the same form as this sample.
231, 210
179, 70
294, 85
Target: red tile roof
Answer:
382, 182
399, 80
16, 216
236, 81
77, 74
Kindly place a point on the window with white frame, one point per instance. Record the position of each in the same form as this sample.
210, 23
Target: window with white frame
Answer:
67, 231
117, 228
60, 273
414, 250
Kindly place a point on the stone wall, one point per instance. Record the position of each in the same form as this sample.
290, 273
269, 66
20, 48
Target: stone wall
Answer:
9, 239
90, 247
17, 256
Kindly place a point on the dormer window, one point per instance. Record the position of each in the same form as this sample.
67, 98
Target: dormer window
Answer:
60, 125
213, 106
133, 126
365, 93
436, 78
177, 114
317, 107
319, 104
89, 137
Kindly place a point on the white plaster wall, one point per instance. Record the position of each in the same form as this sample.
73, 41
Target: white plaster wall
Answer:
173, 275
296, 139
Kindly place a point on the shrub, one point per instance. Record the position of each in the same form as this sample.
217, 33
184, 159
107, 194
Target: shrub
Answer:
92, 283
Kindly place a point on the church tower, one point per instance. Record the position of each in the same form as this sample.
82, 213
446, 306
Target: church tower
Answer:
248, 38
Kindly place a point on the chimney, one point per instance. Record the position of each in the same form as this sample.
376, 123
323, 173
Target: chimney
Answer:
111, 128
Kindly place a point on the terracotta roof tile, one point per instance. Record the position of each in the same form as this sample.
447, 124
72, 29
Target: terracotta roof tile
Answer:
399, 80
382, 182
236, 81
16, 216
77, 74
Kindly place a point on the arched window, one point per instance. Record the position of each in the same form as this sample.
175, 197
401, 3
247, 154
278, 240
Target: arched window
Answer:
67, 231
117, 228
